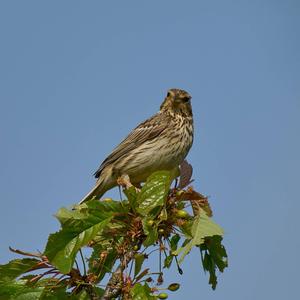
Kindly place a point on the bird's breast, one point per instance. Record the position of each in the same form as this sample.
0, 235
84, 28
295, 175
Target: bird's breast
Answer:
165, 152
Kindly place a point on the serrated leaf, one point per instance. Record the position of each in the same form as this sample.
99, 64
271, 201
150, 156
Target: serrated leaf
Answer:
215, 256
154, 192
16, 267
138, 262
64, 215
62, 246
217, 251
141, 292
202, 227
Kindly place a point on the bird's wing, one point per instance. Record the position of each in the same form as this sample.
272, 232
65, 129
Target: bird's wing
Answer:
146, 131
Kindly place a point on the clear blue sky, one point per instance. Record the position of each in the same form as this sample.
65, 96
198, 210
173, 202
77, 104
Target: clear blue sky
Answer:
77, 76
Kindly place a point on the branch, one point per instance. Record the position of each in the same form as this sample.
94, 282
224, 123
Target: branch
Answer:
115, 283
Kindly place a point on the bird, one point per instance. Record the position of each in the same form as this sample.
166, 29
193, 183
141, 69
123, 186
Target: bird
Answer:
160, 143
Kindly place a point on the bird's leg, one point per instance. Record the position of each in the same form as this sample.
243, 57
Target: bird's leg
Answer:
120, 192
176, 183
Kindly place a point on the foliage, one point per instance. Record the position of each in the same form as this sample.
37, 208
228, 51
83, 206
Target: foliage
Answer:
122, 235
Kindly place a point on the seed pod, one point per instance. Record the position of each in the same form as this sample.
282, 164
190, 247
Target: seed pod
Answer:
173, 287
136, 248
150, 222
182, 214
162, 296
179, 193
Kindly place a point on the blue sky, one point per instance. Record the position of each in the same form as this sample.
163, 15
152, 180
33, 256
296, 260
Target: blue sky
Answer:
77, 76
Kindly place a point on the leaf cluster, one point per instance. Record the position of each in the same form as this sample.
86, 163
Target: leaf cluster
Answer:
122, 235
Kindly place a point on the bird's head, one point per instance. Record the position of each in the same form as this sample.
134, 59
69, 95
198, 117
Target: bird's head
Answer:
177, 101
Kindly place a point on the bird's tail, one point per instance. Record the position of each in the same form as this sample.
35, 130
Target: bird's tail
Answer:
96, 192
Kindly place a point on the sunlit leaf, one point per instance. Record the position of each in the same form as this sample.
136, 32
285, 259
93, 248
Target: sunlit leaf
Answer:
154, 192
203, 226
63, 246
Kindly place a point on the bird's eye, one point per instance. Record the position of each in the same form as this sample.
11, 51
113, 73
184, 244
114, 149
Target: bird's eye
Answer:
169, 94
186, 99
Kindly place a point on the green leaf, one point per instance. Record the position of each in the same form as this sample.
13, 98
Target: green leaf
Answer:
168, 261
163, 216
98, 291
215, 256
150, 231
154, 193
64, 215
17, 290
91, 208
56, 294
63, 246
209, 265
141, 292
83, 295
131, 195
139, 259
102, 261
173, 246
30, 294
174, 241
16, 267
203, 226
217, 251
97, 207
186, 228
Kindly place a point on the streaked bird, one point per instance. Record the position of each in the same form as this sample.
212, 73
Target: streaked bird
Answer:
159, 143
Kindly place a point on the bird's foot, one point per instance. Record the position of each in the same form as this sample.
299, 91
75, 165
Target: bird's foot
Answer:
125, 182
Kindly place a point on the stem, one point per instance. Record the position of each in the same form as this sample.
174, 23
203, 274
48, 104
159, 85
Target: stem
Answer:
131, 266
120, 192
180, 271
77, 266
83, 262
159, 260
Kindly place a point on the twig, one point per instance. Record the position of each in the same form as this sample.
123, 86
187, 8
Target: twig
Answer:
39, 255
